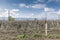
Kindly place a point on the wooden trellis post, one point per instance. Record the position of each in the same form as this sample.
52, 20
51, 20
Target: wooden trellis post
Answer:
46, 24
46, 28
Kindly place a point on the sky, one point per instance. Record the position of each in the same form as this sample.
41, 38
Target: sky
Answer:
30, 8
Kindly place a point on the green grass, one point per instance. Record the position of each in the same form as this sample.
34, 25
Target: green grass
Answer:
53, 35
38, 36
21, 36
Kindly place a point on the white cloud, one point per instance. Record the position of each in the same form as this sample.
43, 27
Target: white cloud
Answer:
41, 0
51, 13
0, 9
23, 5
14, 11
26, 15
37, 6
58, 12
16, 14
4, 12
53, 1
49, 9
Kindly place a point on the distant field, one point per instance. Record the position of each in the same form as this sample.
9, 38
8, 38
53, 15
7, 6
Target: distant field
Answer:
29, 30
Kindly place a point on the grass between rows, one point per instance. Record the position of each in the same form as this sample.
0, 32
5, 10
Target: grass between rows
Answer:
38, 36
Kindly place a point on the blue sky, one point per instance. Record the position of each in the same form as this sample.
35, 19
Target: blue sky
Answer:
30, 8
